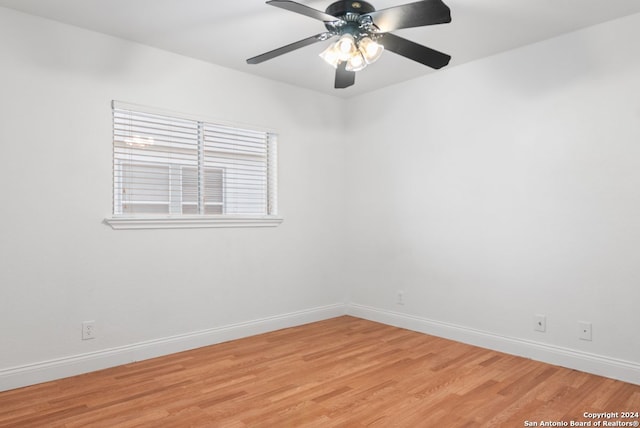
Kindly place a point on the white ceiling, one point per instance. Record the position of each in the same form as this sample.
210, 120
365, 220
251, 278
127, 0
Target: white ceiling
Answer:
228, 32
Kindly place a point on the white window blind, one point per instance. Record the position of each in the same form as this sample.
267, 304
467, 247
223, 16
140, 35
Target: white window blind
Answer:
175, 166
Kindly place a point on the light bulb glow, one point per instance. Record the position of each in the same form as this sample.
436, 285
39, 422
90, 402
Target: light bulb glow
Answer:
370, 49
346, 47
356, 63
331, 55
356, 53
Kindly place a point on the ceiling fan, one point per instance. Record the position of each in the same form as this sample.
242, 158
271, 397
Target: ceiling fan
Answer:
364, 33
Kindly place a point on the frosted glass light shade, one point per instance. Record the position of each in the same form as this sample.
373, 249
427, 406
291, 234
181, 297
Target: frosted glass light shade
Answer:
356, 63
346, 47
331, 55
357, 54
370, 49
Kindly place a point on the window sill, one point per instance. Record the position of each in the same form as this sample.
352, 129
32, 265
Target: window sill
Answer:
195, 222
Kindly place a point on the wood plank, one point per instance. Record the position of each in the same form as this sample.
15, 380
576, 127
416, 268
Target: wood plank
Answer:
342, 372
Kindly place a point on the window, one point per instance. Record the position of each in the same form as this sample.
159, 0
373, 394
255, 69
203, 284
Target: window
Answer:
172, 171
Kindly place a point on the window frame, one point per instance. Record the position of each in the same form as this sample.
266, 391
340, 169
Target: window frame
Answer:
186, 221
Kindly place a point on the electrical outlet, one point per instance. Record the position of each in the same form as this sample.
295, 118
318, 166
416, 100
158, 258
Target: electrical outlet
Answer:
584, 331
540, 323
88, 330
400, 297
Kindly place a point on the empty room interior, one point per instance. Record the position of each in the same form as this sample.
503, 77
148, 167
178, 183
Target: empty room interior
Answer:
458, 234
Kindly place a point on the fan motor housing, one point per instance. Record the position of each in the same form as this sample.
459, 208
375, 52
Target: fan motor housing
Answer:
341, 8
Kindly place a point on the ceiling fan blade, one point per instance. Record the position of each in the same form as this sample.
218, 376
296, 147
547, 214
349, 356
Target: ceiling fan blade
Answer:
422, 54
418, 14
303, 10
288, 48
344, 78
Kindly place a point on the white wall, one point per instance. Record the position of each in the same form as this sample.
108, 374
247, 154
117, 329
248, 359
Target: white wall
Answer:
487, 192
505, 188
60, 265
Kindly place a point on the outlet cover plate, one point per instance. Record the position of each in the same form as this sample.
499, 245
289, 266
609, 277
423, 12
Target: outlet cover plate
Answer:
540, 322
88, 330
584, 330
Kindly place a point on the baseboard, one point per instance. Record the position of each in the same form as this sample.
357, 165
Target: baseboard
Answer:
591, 363
30, 374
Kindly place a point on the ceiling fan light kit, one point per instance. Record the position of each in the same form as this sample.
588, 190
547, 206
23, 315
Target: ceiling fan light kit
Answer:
364, 34
356, 52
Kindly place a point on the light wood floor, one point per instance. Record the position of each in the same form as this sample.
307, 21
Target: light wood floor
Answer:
343, 372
